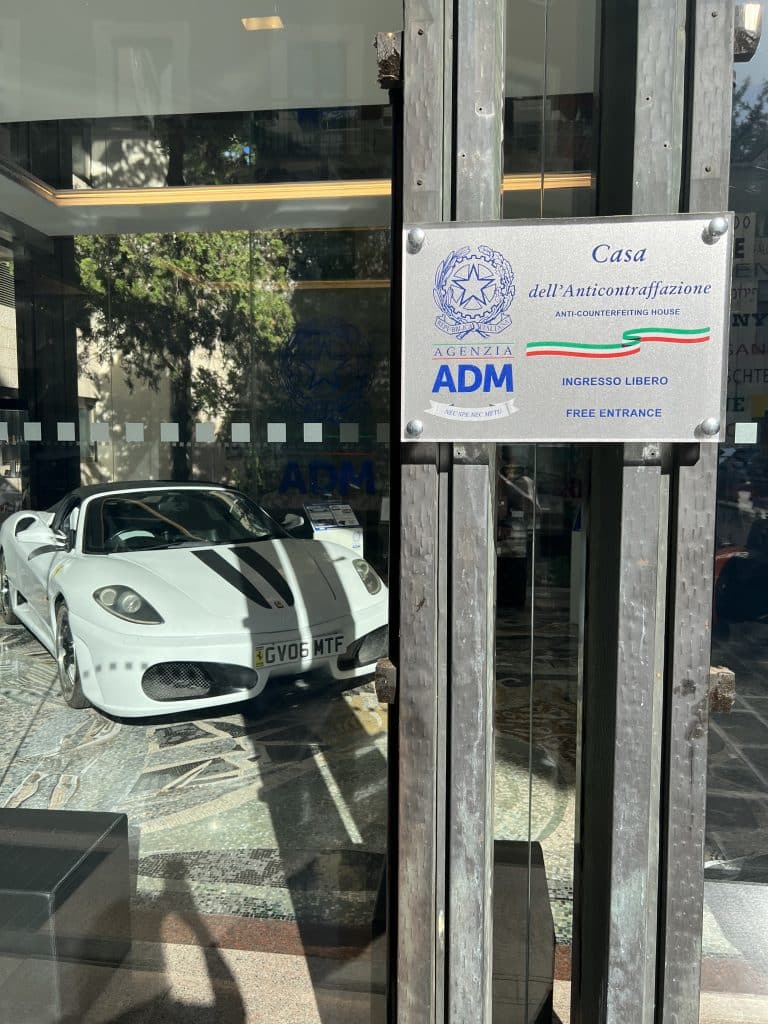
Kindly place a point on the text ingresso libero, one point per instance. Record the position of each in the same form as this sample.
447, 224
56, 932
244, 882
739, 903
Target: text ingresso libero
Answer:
608, 382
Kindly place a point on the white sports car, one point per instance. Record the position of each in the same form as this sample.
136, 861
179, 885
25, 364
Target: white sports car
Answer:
163, 597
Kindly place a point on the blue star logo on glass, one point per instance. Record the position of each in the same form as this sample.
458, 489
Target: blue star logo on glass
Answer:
474, 288
325, 369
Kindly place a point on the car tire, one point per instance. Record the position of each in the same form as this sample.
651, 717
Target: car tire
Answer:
66, 662
6, 605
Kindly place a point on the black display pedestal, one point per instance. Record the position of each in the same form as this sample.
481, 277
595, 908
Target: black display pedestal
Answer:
64, 907
523, 946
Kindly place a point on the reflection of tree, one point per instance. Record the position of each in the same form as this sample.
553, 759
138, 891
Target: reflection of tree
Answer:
340, 255
749, 126
161, 302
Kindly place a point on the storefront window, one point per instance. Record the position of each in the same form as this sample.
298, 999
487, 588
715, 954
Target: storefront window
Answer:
194, 527
735, 965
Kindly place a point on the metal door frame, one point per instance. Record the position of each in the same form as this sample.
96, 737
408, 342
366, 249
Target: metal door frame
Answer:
647, 670
453, 102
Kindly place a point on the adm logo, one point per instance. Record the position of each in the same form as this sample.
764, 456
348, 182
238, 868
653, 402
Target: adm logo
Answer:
469, 377
474, 288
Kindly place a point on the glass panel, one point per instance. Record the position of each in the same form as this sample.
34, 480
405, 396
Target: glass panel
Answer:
194, 526
735, 959
549, 152
541, 574
541, 548
524, 89
157, 58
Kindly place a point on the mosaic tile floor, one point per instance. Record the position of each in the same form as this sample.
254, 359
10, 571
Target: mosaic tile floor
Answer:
277, 810
737, 784
536, 739
540, 722
735, 966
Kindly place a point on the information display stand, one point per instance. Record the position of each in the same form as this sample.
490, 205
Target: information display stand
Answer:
337, 522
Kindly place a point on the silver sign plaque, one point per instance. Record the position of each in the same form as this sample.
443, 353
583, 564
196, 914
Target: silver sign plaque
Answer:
608, 329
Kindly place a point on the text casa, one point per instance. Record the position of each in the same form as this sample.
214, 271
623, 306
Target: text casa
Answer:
605, 253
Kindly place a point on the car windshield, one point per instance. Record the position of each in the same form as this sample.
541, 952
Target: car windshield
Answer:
183, 517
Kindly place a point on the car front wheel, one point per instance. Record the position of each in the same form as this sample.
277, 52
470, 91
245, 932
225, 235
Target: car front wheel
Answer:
6, 606
66, 659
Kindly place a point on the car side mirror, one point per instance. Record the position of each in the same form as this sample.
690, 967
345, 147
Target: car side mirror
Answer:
61, 539
291, 521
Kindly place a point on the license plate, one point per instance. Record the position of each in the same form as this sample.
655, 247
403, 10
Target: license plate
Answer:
284, 652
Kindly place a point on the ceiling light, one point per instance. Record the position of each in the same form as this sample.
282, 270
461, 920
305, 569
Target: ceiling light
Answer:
259, 24
751, 16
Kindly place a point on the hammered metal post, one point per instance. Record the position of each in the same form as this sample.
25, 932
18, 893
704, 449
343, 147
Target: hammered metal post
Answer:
616, 904
479, 62
421, 668
615, 948
694, 488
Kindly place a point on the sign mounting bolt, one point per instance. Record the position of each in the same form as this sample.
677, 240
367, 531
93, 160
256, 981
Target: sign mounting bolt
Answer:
414, 428
710, 426
651, 452
716, 228
416, 238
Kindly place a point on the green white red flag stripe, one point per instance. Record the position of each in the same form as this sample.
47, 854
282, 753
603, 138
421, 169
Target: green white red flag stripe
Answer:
674, 335
630, 344
581, 349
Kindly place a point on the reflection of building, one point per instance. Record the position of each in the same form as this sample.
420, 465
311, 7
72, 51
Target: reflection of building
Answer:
9, 363
10, 454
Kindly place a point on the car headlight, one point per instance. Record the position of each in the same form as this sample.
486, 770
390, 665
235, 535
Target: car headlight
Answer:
126, 604
367, 575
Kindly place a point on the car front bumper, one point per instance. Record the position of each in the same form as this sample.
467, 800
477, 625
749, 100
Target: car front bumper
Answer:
114, 665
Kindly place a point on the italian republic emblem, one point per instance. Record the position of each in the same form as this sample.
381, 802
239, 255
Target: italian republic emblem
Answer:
474, 288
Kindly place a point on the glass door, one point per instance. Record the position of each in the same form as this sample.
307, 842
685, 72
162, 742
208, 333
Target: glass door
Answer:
734, 965
542, 517
542, 525
194, 547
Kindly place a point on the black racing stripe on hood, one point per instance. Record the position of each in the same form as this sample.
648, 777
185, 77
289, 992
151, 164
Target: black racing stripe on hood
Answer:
265, 568
229, 573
